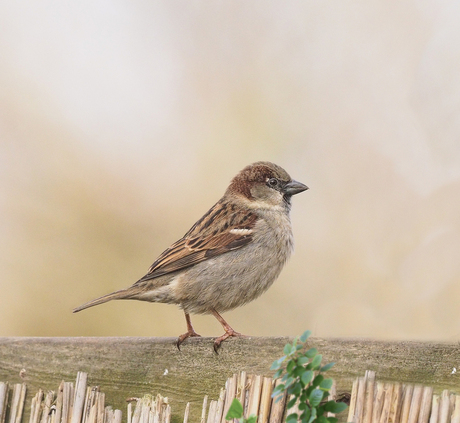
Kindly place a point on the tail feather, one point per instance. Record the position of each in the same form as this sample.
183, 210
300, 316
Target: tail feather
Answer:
117, 295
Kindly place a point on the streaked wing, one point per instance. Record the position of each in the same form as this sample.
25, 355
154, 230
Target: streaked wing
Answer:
222, 229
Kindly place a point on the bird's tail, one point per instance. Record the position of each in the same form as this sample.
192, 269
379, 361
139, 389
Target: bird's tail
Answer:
117, 295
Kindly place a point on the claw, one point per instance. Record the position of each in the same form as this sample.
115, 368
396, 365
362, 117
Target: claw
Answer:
190, 332
184, 336
218, 341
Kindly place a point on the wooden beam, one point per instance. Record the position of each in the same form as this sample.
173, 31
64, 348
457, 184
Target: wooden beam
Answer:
127, 367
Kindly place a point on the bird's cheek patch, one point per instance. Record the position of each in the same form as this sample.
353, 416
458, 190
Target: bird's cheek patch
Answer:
265, 197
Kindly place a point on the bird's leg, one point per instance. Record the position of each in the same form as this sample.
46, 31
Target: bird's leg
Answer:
228, 331
190, 331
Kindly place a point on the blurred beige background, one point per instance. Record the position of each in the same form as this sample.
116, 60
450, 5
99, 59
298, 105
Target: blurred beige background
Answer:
122, 122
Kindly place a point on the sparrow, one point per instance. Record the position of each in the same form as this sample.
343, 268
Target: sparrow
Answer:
229, 257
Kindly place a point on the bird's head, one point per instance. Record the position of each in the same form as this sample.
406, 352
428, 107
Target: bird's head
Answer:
265, 185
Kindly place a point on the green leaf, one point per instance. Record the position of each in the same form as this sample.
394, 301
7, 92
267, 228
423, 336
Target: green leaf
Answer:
277, 363
287, 349
302, 360
235, 411
332, 419
317, 380
311, 352
312, 416
291, 402
251, 419
321, 419
278, 390
306, 377
326, 367
320, 409
326, 384
315, 397
306, 414
278, 373
292, 418
315, 363
299, 371
296, 389
289, 382
335, 407
305, 336
290, 366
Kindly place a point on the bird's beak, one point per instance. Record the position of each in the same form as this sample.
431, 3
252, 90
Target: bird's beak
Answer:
294, 187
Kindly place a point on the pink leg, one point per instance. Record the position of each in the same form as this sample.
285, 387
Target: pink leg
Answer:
228, 331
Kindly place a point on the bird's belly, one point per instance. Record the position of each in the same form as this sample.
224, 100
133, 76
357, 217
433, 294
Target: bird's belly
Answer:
230, 280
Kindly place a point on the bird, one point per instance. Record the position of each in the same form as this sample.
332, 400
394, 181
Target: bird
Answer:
229, 257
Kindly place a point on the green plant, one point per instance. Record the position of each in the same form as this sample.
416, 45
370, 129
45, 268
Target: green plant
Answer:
302, 378
236, 412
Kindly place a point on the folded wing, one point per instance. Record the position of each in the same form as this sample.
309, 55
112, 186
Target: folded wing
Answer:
231, 229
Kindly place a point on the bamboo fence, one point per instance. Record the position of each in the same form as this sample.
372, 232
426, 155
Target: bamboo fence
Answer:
370, 402
254, 393
378, 402
79, 403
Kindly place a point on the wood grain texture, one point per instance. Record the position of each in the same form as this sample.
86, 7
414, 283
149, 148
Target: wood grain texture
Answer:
127, 367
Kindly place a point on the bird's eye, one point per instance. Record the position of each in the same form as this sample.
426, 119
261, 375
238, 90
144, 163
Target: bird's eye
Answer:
272, 182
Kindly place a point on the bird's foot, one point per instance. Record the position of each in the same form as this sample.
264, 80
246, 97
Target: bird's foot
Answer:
183, 337
228, 333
